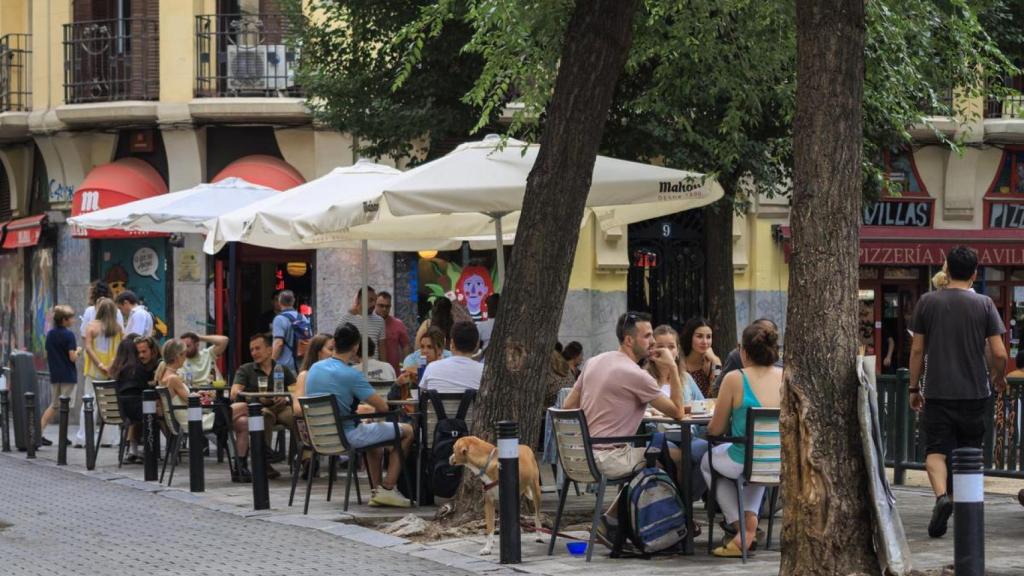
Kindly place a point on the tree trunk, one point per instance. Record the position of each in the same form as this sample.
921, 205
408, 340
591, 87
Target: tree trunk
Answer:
827, 526
721, 287
597, 42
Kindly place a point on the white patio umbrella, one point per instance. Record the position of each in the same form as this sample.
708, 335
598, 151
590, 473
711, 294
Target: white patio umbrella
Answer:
481, 184
184, 211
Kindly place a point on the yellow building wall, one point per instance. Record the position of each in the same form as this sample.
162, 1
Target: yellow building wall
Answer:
177, 50
48, 19
766, 268
585, 274
14, 17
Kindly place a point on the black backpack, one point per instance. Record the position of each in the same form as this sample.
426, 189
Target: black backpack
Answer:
445, 478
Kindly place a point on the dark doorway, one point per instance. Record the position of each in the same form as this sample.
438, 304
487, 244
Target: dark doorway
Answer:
667, 268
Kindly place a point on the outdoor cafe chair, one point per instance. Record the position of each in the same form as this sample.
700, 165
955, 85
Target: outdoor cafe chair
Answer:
177, 437
110, 413
576, 455
761, 467
305, 442
326, 428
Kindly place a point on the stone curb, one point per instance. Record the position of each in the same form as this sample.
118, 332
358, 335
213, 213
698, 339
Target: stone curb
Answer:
336, 528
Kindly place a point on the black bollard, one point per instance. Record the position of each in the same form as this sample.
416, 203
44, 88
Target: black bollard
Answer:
90, 437
508, 494
30, 425
62, 434
5, 419
968, 512
260, 490
149, 434
196, 443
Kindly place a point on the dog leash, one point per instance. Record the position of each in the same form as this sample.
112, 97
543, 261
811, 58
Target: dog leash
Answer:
483, 471
543, 530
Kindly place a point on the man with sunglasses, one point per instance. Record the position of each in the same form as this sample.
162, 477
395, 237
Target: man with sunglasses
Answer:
614, 392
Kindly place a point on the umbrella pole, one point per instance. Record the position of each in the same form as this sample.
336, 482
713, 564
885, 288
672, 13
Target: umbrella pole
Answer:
365, 305
500, 247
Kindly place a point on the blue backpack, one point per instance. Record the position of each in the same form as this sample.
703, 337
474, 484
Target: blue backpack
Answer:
657, 516
300, 333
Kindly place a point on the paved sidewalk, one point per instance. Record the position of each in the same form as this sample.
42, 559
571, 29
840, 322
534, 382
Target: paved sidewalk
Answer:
1004, 524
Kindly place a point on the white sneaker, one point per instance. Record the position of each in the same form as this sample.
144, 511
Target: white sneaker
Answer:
373, 495
391, 497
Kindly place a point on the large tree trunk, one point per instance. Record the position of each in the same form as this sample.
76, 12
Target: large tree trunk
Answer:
721, 286
597, 42
827, 525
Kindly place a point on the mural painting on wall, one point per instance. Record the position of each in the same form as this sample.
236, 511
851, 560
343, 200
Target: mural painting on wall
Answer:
40, 302
470, 285
139, 266
10, 280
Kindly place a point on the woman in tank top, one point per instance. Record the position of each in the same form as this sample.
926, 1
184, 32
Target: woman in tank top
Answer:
102, 337
757, 385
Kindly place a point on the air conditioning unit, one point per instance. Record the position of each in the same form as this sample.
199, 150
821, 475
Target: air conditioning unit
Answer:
260, 68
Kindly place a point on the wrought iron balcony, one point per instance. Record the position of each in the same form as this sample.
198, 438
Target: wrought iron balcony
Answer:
15, 74
1007, 106
245, 55
111, 60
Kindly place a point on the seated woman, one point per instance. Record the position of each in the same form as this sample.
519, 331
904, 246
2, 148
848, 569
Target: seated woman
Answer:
133, 369
321, 347
757, 385
174, 359
431, 348
665, 337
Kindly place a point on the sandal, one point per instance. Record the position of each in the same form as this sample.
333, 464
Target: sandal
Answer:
730, 550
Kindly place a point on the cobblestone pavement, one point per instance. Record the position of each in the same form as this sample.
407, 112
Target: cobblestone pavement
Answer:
57, 522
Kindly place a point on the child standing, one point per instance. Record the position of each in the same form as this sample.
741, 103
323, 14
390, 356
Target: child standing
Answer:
61, 355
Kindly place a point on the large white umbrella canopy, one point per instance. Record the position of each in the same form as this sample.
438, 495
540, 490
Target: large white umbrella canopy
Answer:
184, 211
350, 196
481, 185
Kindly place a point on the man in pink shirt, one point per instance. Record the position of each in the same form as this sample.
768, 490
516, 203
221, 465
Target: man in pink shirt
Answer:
614, 391
396, 341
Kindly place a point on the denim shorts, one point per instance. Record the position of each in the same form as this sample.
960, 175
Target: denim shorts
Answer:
370, 433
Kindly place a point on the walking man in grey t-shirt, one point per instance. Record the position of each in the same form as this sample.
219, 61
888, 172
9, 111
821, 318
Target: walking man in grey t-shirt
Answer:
952, 326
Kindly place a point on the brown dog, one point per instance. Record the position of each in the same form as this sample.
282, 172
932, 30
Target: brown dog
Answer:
481, 459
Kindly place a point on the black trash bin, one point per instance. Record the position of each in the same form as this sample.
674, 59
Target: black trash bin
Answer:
22, 379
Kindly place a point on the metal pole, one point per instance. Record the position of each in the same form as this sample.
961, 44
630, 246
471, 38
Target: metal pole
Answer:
90, 438
508, 495
364, 329
196, 441
5, 418
149, 434
62, 434
901, 411
30, 425
968, 512
260, 490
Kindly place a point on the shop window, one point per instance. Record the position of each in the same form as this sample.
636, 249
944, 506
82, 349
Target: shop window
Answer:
902, 273
1009, 181
867, 273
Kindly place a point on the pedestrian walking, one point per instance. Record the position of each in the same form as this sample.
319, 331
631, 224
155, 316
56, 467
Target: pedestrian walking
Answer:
138, 320
952, 327
61, 354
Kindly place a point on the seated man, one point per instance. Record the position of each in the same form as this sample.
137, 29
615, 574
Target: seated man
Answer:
200, 363
459, 372
275, 410
337, 377
614, 392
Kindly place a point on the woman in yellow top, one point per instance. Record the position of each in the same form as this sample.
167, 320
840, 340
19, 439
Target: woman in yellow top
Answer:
102, 337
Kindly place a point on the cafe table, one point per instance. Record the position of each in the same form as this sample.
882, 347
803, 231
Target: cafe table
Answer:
685, 441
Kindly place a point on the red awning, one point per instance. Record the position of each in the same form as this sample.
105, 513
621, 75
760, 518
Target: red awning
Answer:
23, 232
264, 170
113, 184
890, 246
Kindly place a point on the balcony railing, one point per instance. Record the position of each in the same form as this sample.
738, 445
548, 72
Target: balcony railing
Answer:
111, 60
15, 75
244, 55
1007, 106
943, 105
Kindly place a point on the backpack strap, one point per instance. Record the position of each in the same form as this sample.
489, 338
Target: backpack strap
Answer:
435, 399
289, 334
468, 397
655, 449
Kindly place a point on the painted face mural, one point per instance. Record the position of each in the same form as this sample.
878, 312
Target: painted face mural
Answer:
473, 288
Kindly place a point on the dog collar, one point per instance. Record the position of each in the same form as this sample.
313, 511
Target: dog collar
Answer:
482, 474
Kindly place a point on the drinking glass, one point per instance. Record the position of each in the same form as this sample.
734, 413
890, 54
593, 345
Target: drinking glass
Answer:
261, 381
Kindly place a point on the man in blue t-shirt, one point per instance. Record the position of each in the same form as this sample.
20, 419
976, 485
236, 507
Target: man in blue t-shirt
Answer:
337, 377
282, 331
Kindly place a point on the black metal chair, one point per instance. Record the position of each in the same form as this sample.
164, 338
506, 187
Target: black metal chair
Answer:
761, 467
326, 428
576, 455
109, 407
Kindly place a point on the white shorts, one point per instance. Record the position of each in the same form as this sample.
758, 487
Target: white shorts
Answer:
370, 433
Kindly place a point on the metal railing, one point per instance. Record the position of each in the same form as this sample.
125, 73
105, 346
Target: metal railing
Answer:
245, 55
15, 72
903, 436
1007, 106
943, 105
111, 60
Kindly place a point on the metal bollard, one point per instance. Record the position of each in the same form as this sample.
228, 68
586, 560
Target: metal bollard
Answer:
196, 441
260, 490
968, 512
149, 434
5, 419
30, 425
90, 436
62, 434
508, 494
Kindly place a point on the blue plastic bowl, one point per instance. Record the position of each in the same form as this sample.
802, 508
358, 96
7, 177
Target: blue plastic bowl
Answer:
576, 548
